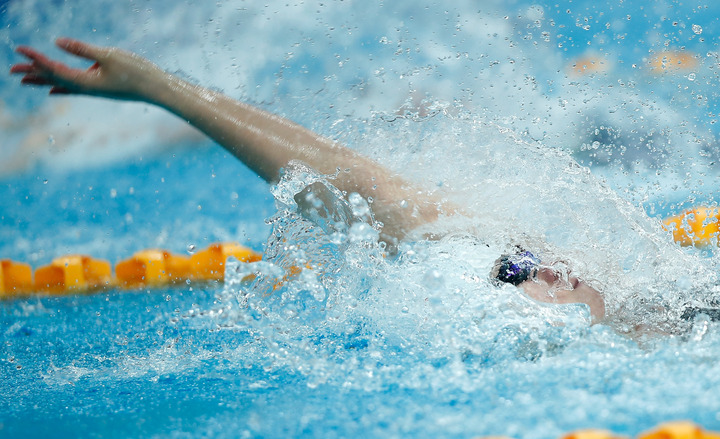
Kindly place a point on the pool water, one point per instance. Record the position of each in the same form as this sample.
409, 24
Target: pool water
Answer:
480, 102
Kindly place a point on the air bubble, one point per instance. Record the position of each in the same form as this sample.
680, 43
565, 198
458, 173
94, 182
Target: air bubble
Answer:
191, 248
697, 29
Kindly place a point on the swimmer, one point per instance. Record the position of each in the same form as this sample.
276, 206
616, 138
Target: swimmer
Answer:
267, 143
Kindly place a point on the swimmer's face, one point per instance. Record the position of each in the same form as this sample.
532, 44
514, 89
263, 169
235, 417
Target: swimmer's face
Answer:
548, 283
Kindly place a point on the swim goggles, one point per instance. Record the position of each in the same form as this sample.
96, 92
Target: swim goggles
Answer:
516, 269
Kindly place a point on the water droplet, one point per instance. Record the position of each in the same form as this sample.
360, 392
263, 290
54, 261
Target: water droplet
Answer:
359, 206
697, 28
45, 181
691, 76
191, 248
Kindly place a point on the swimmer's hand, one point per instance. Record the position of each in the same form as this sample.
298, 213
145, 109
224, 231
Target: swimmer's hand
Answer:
115, 74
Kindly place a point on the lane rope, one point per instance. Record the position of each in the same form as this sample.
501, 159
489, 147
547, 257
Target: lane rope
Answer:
146, 268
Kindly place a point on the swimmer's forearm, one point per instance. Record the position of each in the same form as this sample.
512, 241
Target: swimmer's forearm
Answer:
263, 141
266, 143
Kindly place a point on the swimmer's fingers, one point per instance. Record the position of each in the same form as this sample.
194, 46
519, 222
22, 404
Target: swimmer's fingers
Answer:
33, 75
44, 67
45, 72
82, 49
40, 62
114, 74
31, 79
60, 91
21, 68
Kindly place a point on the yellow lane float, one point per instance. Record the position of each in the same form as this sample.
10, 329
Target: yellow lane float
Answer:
697, 226
209, 264
669, 430
592, 434
679, 430
73, 273
15, 278
152, 268
146, 268
672, 62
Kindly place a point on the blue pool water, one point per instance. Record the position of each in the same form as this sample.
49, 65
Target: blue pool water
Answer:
477, 100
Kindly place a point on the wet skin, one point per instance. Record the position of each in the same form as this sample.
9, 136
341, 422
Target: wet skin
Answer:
549, 286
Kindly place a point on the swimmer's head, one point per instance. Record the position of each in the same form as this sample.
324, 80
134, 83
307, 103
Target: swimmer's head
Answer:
549, 283
516, 268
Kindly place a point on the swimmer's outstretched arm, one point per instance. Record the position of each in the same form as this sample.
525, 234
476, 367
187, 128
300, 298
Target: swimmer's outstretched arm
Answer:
263, 141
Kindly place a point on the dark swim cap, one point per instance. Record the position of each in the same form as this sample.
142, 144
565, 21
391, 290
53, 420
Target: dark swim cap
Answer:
516, 269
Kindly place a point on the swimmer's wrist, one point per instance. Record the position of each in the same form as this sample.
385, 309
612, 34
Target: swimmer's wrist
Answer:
161, 88
182, 98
